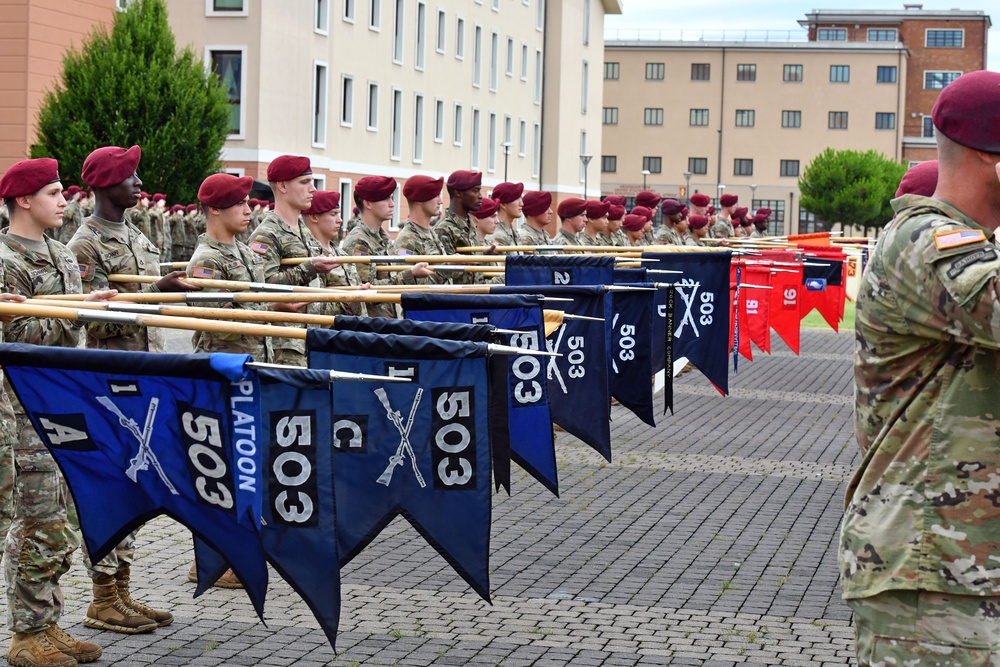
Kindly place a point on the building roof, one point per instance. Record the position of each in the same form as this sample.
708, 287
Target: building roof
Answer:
685, 45
892, 16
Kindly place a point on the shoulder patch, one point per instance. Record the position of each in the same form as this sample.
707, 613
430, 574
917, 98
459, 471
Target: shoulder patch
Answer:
359, 253
987, 254
958, 237
202, 272
260, 248
405, 251
87, 271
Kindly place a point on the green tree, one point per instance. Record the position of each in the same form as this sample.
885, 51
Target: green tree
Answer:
850, 187
131, 86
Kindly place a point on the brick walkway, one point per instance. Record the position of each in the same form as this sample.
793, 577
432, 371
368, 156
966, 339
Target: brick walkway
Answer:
710, 540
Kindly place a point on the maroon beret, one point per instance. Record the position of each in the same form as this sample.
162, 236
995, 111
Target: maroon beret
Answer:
966, 111
920, 179
323, 201
375, 188
465, 180
711, 210
270, 205
537, 203
254, 203
421, 188
764, 211
698, 221
685, 211
740, 211
671, 206
736, 220
633, 222
176, 207
615, 211
487, 208
505, 193
287, 168
190, 208
647, 199
72, 190
756, 220
615, 200
597, 209
143, 195
700, 199
28, 177
224, 190
728, 200
159, 196
572, 207
643, 211
110, 165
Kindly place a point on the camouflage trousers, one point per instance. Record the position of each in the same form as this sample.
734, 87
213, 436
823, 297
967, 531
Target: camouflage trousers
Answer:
40, 544
289, 351
925, 628
6, 487
120, 557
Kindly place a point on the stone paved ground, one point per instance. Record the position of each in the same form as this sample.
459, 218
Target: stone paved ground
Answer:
709, 540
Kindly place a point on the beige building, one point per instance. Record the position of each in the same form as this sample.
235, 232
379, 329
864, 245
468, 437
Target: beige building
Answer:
744, 117
511, 88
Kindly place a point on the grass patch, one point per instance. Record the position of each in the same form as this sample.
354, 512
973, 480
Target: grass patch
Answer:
815, 321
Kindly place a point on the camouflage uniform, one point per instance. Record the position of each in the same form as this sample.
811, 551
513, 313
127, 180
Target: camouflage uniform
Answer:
363, 241
667, 235
455, 232
177, 231
505, 235
723, 229
757, 235
87, 206
139, 216
565, 238
586, 239
42, 537
620, 238
160, 230
922, 512
275, 241
219, 261
4, 216
349, 226
8, 437
416, 240
72, 217
531, 236
345, 275
604, 239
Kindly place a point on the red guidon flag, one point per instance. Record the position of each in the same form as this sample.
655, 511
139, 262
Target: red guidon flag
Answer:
757, 303
783, 310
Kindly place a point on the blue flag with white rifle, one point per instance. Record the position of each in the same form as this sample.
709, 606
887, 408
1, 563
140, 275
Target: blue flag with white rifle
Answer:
139, 434
632, 349
419, 449
529, 420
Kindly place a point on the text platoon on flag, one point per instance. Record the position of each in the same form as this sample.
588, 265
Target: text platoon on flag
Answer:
420, 449
172, 434
529, 419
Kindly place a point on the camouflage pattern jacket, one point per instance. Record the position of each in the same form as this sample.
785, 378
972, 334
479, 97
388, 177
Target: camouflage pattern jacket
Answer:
218, 261
72, 217
343, 276
757, 235
723, 229
103, 248
416, 240
923, 509
274, 241
8, 432
531, 236
565, 238
667, 235
362, 241
586, 239
504, 235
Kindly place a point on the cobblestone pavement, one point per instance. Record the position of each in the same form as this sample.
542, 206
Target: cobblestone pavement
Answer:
709, 540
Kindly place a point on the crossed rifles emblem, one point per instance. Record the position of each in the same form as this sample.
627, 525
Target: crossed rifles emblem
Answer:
145, 456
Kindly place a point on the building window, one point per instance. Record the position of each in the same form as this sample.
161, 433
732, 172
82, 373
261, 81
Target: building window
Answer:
885, 74
508, 128
792, 73
653, 117
491, 143
540, 15
347, 100
776, 221
228, 66
538, 76
396, 131
397, 33
477, 57
475, 138
510, 56
610, 116
375, 15
322, 17
522, 138
373, 106
348, 9
881, 34
742, 167
938, 80
699, 117
496, 5
790, 168
319, 104
791, 119
945, 38
698, 165
746, 72
885, 121
654, 71
831, 35
421, 56
457, 135
345, 194
840, 73
586, 22
612, 71
438, 121
583, 151
745, 117
439, 46
536, 149
838, 120
524, 62
418, 128
653, 165
928, 128
494, 61
701, 71
226, 7
460, 38
585, 87
609, 164
808, 224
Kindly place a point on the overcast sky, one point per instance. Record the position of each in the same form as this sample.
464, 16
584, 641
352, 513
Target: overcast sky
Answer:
778, 16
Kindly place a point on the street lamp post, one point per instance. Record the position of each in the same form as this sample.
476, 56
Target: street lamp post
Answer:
506, 153
718, 195
687, 186
753, 193
645, 173
585, 160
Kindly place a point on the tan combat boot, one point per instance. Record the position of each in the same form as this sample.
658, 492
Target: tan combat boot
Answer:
161, 618
107, 612
33, 649
79, 650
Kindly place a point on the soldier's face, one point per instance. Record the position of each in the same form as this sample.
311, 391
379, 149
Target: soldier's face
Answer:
700, 233
514, 208
614, 226
432, 207
236, 218
299, 191
487, 225
330, 222
682, 226
382, 210
472, 198
126, 194
577, 223
600, 224
45, 207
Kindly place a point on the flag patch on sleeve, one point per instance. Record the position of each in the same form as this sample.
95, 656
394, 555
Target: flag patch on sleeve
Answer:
260, 248
87, 271
958, 237
202, 272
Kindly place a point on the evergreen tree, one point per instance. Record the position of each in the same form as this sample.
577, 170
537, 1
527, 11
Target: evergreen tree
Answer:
130, 86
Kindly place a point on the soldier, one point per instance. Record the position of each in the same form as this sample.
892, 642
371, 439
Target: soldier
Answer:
370, 238
672, 231
72, 214
107, 244
633, 225
747, 225
160, 227
355, 218
649, 201
42, 539
537, 211
572, 212
486, 219
465, 194
416, 237
177, 232
921, 518
596, 224
323, 220
615, 235
281, 234
139, 215
87, 204
727, 203
511, 209
698, 224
